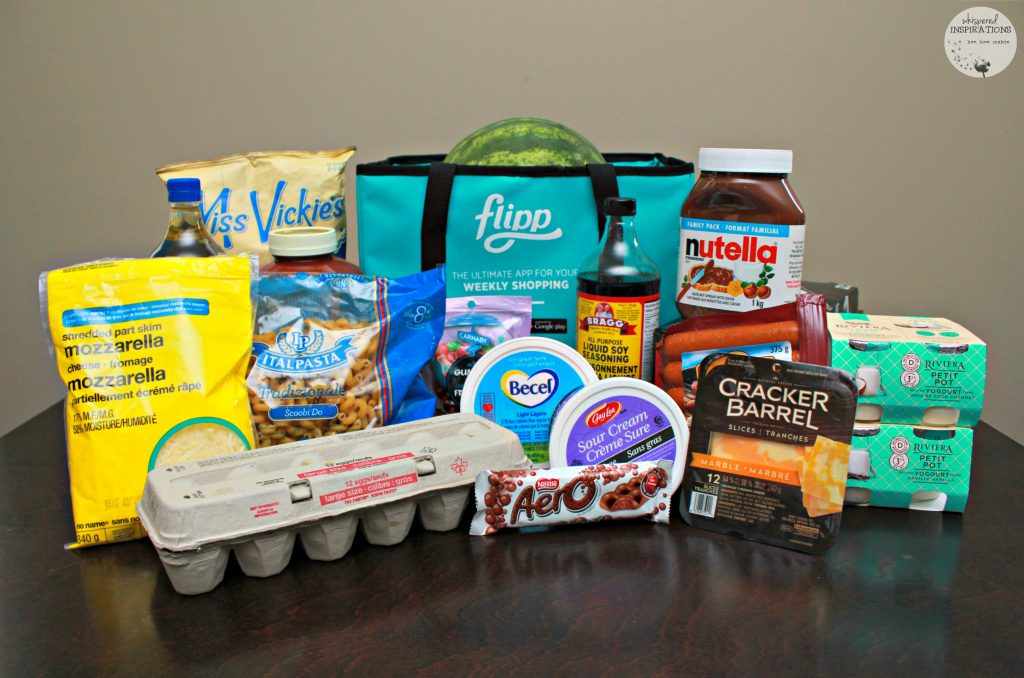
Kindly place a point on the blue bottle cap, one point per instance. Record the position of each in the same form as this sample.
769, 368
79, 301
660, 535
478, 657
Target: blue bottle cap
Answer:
184, 190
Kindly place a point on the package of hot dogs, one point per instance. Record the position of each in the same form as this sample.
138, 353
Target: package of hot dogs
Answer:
571, 494
797, 332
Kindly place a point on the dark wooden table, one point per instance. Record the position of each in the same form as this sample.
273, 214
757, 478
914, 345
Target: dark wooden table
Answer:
902, 593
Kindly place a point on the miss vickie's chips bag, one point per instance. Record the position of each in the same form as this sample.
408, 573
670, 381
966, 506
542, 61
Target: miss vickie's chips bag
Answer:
247, 196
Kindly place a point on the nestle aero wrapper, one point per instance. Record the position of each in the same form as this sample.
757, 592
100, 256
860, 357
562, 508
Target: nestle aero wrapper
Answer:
571, 494
247, 196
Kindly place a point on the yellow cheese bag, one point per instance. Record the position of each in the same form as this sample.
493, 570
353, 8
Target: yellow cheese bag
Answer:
153, 353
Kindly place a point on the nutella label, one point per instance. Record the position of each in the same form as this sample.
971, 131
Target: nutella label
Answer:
734, 266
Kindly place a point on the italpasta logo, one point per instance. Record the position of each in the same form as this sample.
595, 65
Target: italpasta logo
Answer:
501, 225
304, 353
295, 343
529, 390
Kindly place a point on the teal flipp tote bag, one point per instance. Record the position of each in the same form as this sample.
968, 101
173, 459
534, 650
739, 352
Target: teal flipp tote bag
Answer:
515, 230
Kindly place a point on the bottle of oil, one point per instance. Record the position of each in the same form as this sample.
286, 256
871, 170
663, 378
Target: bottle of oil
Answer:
186, 233
617, 299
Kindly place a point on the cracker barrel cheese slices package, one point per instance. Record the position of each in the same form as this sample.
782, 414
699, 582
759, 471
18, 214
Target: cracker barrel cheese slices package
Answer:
769, 449
153, 354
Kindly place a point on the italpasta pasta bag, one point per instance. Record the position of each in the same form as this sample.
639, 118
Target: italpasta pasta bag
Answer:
337, 352
153, 354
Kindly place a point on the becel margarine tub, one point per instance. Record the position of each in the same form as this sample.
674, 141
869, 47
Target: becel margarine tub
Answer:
520, 384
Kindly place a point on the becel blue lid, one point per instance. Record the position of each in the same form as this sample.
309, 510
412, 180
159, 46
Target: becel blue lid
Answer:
184, 190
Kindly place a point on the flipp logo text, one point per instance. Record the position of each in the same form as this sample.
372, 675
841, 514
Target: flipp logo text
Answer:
507, 224
529, 390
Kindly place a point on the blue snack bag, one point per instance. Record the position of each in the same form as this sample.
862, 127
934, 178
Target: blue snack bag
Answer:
334, 353
419, 403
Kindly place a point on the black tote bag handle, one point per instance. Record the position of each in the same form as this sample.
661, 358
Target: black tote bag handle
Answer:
434, 230
441, 179
605, 185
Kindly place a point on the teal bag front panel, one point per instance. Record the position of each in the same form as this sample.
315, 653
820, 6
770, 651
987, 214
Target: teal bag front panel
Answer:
522, 236
518, 234
389, 210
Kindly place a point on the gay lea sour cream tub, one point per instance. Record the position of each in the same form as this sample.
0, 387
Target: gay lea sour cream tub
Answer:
520, 384
620, 420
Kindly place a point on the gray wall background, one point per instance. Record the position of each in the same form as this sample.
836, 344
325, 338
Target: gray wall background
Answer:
910, 172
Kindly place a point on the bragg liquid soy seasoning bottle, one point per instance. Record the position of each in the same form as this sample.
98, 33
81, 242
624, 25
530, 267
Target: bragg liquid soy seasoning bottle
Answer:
186, 233
741, 241
617, 299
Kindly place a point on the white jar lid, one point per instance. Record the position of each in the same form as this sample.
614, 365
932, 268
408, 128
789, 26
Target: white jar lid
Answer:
759, 160
303, 241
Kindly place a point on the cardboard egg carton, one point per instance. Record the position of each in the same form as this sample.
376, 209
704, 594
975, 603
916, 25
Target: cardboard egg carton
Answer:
320, 490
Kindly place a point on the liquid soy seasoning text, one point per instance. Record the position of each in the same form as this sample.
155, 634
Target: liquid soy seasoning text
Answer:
617, 299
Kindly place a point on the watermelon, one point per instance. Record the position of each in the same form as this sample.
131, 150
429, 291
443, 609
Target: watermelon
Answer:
525, 142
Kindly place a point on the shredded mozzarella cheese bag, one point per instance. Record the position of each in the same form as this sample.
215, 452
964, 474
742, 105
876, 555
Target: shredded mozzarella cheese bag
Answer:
153, 353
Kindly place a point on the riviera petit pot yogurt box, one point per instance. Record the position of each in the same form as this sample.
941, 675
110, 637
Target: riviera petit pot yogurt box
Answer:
911, 370
915, 467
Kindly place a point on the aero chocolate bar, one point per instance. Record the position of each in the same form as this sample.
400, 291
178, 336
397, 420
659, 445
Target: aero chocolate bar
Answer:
254, 503
571, 494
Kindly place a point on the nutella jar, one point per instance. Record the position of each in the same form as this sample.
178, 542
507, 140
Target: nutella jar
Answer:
306, 249
741, 241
